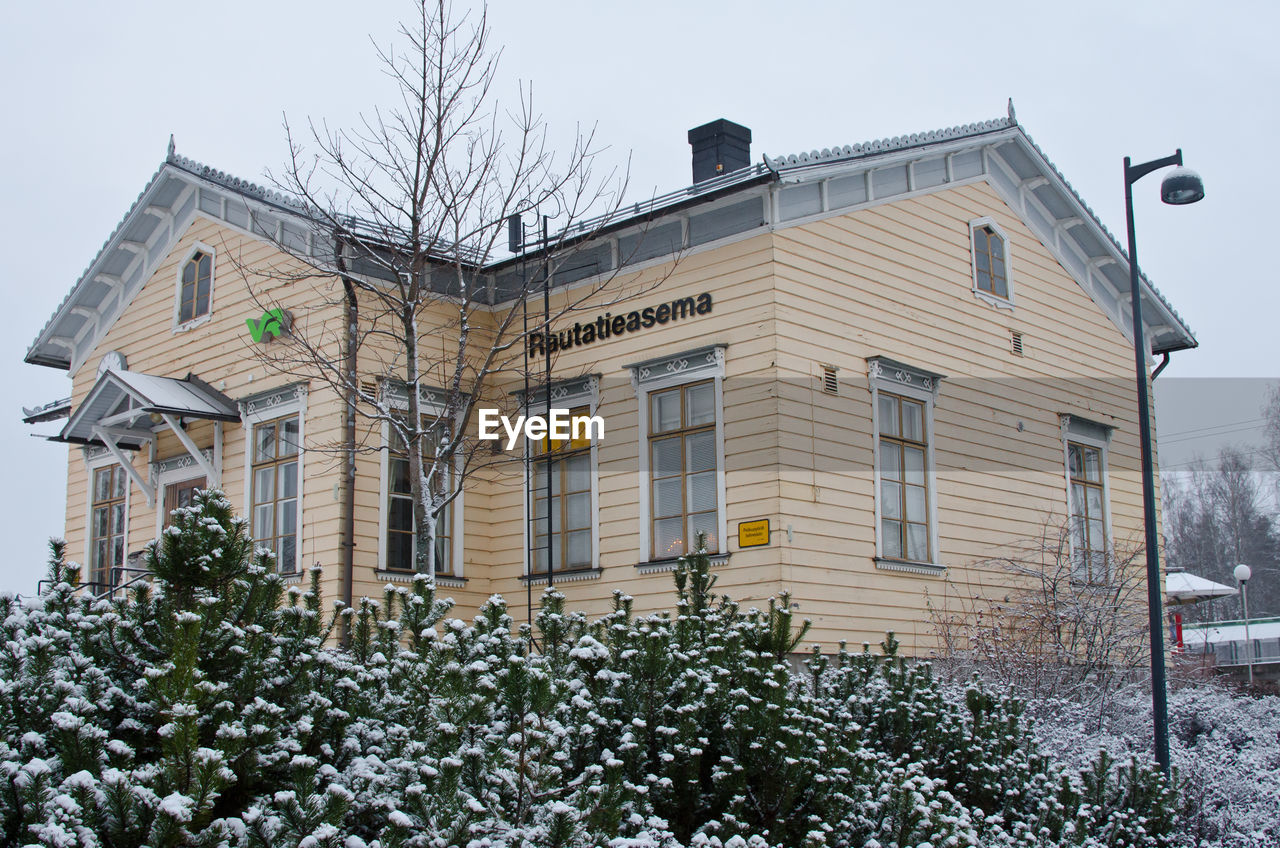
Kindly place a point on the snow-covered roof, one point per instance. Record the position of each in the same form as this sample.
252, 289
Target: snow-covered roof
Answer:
1007, 158
1181, 587
123, 402
1214, 633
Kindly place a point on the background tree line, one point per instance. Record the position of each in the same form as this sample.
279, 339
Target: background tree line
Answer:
1220, 513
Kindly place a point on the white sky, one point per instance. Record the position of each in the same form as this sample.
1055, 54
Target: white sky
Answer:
93, 92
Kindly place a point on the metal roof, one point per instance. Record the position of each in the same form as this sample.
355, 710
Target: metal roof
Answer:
122, 400
1020, 172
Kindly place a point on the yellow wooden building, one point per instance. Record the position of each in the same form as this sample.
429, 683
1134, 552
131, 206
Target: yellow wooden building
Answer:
905, 356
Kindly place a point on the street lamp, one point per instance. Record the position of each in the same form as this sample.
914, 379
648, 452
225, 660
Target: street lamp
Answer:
1180, 187
1243, 574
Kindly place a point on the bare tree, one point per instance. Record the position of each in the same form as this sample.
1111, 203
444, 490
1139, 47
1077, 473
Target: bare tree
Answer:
1214, 519
1043, 628
411, 205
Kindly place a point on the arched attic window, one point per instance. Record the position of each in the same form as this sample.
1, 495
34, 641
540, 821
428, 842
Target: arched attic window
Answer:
990, 260
196, 287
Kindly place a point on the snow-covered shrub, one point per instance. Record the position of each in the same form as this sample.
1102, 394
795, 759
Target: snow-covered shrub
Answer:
210, 710
1225, 748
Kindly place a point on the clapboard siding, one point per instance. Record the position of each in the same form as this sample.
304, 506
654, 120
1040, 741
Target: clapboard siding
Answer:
220, 352
896, 281
893, 280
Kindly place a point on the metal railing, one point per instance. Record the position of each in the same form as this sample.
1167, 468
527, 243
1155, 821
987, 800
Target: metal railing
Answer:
118, 582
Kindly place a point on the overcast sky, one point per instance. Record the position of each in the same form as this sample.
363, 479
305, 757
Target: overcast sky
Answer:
93, 91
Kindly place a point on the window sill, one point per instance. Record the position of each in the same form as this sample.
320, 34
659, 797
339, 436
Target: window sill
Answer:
910, 566
451, 581
291, 578
993, 300
187, 326
655, 566
570, 576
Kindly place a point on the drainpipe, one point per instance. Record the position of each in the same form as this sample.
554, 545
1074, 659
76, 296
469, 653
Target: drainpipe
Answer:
348, 544
1163, 364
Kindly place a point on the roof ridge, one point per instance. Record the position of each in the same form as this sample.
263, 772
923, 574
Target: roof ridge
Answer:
238, 184
884, 145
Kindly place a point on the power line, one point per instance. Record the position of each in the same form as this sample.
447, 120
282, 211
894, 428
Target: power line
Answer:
1168, 441
1214, 427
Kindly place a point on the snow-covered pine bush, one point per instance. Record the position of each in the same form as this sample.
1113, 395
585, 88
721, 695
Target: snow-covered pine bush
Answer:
211, 710
1225, 747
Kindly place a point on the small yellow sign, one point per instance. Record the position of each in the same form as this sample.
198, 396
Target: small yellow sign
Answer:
753, 534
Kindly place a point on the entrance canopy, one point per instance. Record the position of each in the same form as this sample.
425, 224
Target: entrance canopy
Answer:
124, 410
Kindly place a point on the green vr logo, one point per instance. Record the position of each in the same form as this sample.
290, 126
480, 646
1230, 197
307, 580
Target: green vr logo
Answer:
273, 324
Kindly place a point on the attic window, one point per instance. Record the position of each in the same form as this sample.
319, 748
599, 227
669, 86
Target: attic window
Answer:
196, 287
990, 262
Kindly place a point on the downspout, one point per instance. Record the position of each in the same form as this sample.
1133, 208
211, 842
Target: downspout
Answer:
348, 543
1163, 364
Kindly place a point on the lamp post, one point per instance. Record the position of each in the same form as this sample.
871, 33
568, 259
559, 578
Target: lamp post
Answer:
1180, 186
1243, 573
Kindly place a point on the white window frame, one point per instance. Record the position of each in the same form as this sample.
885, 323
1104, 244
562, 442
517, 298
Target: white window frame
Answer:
1094, 435
92, 464
892, 377
183, 326
667, 372
268, 406
987, 297
564, 395
428, 405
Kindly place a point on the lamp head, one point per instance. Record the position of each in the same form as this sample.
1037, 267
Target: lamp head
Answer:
1181, 186
1243, 573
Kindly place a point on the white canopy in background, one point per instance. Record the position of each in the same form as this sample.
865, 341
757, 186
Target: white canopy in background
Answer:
1181, 587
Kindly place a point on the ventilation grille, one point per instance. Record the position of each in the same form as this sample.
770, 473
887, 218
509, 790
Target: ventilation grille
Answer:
368, 388
830, 384
1015, 342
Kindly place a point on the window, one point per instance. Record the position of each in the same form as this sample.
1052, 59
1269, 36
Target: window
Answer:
902, 422
569, 535
1084, 446
1088, 515
683, 486
991, 263
681, 480
106, 524
904, 496
401, 532
275, 489
179, 495
196, 287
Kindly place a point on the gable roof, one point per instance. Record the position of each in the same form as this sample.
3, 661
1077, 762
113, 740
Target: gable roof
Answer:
1024, 177
830, 181
179, 189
